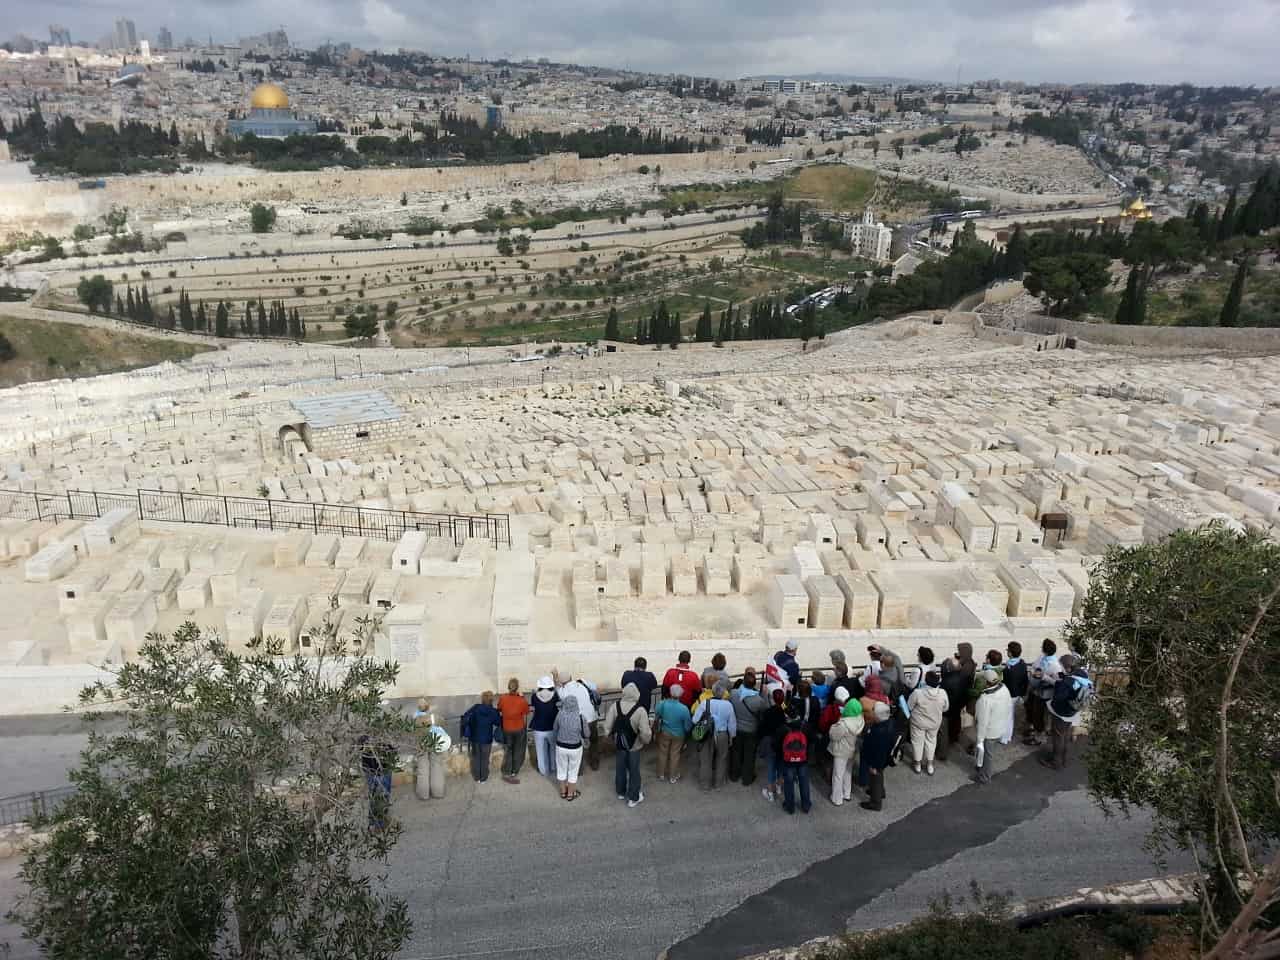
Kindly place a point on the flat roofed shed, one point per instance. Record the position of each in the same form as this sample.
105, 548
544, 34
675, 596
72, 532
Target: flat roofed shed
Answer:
347, 408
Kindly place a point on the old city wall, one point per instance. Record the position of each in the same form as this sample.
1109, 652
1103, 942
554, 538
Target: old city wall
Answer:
59, 204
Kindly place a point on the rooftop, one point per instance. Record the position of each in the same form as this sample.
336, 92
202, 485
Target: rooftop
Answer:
345, 408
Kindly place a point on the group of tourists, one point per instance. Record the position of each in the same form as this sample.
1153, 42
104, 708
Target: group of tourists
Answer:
778, 724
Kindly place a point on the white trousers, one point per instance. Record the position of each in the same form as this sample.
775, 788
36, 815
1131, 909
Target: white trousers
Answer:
841, 779
567, 764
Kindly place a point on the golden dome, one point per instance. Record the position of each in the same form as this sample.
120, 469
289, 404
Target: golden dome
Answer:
1137, 206
268, 96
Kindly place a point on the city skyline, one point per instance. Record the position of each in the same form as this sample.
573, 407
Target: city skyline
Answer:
1102, 41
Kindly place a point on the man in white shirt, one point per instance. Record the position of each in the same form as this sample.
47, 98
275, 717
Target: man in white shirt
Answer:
584, 692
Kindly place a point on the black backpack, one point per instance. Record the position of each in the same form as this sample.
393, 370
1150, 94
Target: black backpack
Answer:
624, 734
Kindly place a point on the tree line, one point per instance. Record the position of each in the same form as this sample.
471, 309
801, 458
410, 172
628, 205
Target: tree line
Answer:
258, 319
61, 146
1180, 242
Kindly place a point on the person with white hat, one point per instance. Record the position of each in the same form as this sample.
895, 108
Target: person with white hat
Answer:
546, 704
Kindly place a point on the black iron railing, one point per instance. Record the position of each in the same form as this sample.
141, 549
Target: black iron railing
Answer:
256, 513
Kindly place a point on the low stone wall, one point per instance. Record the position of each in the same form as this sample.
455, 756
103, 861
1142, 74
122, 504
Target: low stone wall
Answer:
1166, 893
1239, 339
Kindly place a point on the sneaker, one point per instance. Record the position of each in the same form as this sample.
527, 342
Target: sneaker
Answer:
915, 767
675, 779
790, 810
768, 794
1047, 762
635, 803
929, 770
868, 805
806, 809
662, 779
622, 796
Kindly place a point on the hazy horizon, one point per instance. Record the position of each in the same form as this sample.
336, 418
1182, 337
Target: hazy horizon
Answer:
1041, 41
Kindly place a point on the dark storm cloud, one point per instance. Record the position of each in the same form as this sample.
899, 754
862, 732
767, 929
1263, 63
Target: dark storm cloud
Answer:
1073, 40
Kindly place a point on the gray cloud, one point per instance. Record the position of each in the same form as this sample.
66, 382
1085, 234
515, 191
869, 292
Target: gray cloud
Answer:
1055, 40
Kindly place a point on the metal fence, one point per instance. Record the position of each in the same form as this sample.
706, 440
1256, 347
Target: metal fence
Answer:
255, 513
25, 807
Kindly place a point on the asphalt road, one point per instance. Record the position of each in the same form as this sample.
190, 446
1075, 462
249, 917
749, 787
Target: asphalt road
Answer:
506, 871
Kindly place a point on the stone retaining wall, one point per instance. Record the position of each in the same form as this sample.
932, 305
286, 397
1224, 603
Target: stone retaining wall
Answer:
1166, 892
46, 204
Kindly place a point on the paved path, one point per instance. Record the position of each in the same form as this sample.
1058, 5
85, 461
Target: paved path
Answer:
514, 872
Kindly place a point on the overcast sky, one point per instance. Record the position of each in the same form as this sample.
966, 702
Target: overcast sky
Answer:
1053, 40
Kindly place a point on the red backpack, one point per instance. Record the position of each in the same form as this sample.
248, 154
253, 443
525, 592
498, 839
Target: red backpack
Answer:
795, 747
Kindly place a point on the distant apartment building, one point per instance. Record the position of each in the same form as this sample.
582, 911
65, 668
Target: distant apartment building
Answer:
164, 39
59, 36
126, 35
790, 86
868, 238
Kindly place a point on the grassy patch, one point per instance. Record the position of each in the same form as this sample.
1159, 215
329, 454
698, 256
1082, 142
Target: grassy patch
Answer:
48, 350
832, 186
810, 265
828, 186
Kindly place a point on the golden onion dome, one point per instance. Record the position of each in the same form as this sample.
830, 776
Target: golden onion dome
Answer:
1137, 206
269, 96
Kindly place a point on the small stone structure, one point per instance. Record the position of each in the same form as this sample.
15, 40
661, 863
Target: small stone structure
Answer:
350, 424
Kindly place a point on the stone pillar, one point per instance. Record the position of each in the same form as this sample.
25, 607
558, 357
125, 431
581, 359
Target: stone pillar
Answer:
509, 631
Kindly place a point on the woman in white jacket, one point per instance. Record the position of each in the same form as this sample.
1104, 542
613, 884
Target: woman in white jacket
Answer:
926, 705
843, 744
993, 721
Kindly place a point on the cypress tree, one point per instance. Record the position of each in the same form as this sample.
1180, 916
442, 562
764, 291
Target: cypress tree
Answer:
220, 320
1128, 299
703, 332
202, 319
611, 325
1230, 315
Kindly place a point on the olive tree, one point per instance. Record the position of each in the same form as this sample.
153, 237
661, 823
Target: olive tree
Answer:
179, 842
1192, 730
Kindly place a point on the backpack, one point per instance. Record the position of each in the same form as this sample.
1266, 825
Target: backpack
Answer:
1081, 694
795, 747
705, 725
624, 734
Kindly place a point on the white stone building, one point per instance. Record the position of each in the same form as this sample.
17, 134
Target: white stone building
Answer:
349, 424
868, 238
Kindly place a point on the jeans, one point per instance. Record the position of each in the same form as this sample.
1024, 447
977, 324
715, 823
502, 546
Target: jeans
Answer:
793, 773
988, 767
379, 798
1061, 738
480, 761
626, 774
544, 748
669, 746
742, 758
713, 760
513, 760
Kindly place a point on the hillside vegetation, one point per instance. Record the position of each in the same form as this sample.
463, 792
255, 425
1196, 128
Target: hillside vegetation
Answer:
47, 350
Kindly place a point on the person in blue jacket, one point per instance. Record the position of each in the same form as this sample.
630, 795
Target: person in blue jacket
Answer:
877, 746
481, 726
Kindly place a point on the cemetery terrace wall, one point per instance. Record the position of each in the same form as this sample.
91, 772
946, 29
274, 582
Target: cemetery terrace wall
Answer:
62, 202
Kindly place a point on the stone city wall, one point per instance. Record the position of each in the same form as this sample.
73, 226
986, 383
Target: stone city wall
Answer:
1242, 339
59, 204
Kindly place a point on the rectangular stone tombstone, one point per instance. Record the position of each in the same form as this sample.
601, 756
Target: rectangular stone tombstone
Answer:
291, 549
788, 602
129, 621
